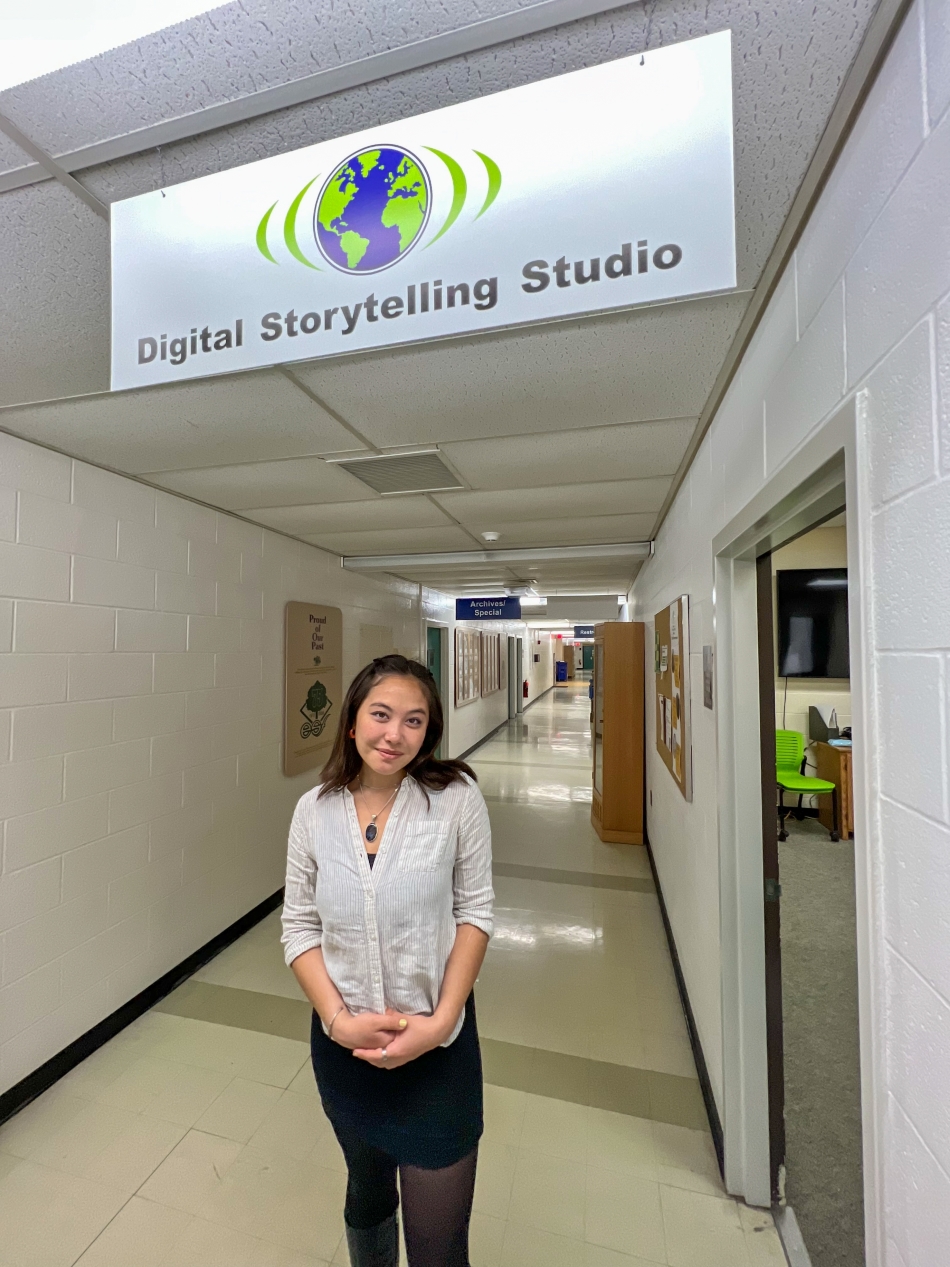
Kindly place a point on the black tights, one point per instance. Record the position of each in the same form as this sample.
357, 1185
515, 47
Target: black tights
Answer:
436, 1204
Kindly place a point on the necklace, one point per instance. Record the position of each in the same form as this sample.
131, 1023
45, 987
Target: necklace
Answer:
372, 831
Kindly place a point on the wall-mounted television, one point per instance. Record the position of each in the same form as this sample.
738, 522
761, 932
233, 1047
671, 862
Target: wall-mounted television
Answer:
813, 623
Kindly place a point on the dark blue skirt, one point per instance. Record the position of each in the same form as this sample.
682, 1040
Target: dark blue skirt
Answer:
427, 1113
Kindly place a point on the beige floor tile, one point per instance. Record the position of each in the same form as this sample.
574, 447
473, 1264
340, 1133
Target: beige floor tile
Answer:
291, 1127
623, 1213
311, 1217
7, 1163
138, 1084
494, 1178
239, 1052
486, 1236
327, 1152
48, 1217
548, 1193
504, 1114
79, 1142
38, 1122
128, 1160
687, 1159
668, 1053
304, 1083
239, 1110
142, 1233
531, 1247
269, 1254
555, 1127
192, 1172
702, 1231
210, 1245
616, 1141
598, 1256
251, 1194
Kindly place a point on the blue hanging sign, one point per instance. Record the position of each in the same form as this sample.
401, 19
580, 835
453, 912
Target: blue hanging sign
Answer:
488, 608
583, 631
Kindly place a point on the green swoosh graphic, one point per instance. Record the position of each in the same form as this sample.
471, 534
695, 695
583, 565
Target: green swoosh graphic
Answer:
262, 235
290, 228
459, 191
494, 181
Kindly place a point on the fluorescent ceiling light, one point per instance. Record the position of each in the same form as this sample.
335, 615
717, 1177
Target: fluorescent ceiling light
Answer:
59, 33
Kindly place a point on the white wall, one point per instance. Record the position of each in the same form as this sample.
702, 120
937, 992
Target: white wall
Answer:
538, 642
864, 305
141, 689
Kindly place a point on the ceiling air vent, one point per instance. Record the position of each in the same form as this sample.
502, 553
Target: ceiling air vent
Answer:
403, 472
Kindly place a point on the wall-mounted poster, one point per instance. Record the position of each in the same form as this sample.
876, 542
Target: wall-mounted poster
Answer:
468, 651
313, 684
491, 663
672, 693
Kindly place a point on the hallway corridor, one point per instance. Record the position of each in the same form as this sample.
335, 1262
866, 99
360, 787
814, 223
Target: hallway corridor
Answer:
196, 1138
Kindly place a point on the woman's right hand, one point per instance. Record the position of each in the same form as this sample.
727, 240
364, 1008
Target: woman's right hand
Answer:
368, 1029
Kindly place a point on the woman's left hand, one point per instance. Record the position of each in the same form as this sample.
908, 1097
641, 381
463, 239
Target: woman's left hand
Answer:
422, 1034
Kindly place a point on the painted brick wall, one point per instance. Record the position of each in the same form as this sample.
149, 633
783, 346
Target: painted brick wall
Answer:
141, 687
866, 304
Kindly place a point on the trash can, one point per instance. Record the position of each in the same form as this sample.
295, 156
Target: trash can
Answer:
560, 670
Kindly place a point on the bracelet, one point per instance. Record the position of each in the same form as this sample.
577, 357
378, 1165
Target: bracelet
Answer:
341, 1008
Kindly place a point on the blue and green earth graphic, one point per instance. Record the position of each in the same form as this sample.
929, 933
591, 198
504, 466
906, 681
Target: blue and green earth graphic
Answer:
372, 210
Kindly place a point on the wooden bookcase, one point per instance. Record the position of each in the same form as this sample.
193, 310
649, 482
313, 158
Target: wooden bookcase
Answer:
617, 732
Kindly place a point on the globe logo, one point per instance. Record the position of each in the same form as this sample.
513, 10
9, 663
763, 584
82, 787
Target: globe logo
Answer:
372, 210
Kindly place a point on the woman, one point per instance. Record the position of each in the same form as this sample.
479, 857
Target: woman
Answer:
387, 916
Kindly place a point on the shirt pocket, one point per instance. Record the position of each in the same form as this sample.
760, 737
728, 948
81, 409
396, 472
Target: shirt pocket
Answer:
427, 847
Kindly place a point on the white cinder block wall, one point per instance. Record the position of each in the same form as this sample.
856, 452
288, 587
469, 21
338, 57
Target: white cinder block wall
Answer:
141, 699
866, 304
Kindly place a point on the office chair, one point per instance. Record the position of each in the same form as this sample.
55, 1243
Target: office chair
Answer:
789, 777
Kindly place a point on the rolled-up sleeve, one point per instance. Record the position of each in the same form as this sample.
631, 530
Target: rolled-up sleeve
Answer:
473, 895
301, 922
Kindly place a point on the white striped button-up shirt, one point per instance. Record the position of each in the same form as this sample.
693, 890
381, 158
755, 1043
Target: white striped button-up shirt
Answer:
387, 931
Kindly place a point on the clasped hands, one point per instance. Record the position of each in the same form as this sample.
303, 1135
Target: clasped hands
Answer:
403, 1037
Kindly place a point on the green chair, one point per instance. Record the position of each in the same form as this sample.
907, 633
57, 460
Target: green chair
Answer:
790, 777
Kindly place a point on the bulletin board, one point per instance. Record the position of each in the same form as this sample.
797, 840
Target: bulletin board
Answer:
491, 663
468, 650
671, 671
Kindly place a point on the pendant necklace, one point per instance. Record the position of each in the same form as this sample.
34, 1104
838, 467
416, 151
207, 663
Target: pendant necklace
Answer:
372, 831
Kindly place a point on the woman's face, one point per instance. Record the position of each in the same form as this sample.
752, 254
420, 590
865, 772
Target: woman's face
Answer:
391, 725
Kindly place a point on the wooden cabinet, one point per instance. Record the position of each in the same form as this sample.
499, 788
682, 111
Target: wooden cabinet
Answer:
617, 732
834, 764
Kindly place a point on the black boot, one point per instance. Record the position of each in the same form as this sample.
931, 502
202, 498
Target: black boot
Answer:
374, 1246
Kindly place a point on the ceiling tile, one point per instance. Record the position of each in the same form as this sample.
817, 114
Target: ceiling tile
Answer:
247, 418
393, 540
292, 482
636, 451
382, 513
617, 497
649, 363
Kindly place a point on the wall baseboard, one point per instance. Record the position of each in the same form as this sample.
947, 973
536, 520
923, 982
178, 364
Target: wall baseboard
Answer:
41, 1079
702, 1071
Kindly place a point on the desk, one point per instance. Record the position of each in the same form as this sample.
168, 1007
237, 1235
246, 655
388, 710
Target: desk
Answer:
834, 764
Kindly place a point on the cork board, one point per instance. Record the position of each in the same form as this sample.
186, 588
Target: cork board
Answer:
313, 684
671, 672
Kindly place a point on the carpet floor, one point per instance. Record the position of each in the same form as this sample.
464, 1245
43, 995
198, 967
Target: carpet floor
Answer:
822, 1076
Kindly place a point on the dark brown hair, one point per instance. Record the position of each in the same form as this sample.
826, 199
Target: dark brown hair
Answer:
345, 762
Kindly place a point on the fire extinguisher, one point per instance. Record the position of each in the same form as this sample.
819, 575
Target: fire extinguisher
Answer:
524, 689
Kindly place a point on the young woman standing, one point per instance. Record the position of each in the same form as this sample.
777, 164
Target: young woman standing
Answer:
387, 916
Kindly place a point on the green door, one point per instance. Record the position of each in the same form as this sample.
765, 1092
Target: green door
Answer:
434, 663
588, 650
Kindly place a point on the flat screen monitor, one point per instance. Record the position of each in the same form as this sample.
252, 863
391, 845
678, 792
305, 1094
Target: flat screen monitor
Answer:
813, 623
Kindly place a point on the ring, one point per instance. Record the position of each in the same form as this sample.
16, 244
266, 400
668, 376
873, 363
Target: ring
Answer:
384, 1054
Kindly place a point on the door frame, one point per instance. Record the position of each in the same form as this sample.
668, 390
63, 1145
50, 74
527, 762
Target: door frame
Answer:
446, 675
827, 470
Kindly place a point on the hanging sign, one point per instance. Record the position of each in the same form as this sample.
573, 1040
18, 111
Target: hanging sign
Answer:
599, 189
313, 684
488, 608
583, 631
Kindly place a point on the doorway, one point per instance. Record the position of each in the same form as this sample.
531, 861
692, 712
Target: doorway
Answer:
808, 857
515, 676
435, 663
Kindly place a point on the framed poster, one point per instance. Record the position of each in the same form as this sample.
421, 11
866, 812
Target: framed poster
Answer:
673, 742
313, 684
491, 663
468, 648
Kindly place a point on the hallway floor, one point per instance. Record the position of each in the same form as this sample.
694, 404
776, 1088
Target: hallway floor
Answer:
196, 1137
